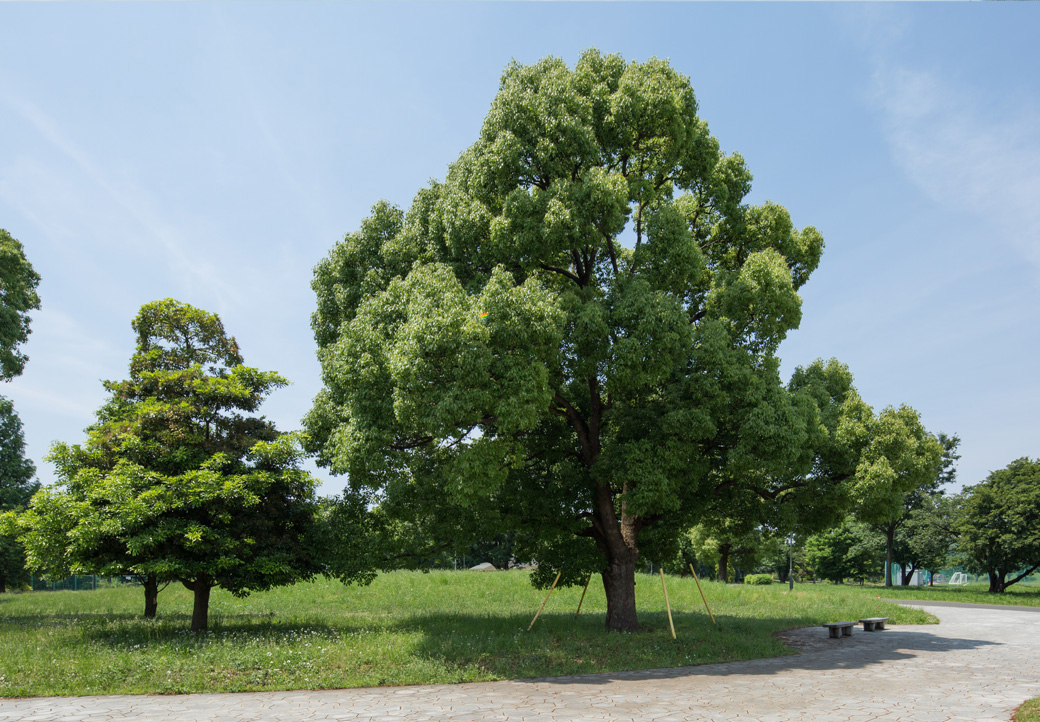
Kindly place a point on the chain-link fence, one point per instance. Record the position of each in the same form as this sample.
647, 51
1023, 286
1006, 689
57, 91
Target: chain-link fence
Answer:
74, 583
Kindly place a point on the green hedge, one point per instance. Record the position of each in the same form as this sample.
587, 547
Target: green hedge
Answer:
758, 579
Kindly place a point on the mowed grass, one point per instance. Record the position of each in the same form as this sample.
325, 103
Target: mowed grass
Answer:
405, 628
1021, 594
1029, 711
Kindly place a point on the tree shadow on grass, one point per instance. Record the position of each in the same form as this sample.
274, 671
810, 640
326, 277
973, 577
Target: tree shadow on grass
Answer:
736, 645
561, 648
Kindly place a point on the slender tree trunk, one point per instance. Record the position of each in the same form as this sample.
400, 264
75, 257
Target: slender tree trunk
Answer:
200, 610
151, 596
723, 575
890, 534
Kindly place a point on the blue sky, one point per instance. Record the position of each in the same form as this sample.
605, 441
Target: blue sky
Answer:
214, 153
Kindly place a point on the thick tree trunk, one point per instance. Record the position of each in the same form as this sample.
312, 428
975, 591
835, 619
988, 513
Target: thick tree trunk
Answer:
619, 584
200, 610
618, 540
996, 583
723, 575
151, 596
3, 585
615, 534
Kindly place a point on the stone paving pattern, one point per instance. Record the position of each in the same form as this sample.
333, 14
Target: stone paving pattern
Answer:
978, 664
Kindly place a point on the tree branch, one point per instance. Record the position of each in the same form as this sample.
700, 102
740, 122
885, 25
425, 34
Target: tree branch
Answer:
1023, 575
610, 249
408, 444
561, 271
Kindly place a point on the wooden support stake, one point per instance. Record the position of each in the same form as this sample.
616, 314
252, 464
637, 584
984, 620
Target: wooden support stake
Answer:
583, 594
667, 604
702, 596
546, 600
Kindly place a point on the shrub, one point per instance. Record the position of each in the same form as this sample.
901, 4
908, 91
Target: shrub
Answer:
758, 579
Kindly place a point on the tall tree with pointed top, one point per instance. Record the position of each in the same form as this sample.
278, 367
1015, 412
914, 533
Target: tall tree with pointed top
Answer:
17, 485
574, 334
178, 480
18, 282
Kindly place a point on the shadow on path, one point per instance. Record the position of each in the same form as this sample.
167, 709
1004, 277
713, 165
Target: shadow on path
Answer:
861, 651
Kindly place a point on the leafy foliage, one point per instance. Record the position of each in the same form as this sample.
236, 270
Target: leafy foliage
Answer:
175, 481
1000, 524
18, 282
573, 336
848, 551
899, 464
17, 485
926, 540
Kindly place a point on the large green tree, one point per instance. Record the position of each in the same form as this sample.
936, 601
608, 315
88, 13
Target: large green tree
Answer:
177, 480
999, 524
17, 485
899, 463
18, 282
574, 334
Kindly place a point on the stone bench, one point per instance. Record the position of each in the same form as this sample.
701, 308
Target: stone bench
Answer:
873, 624
837, 629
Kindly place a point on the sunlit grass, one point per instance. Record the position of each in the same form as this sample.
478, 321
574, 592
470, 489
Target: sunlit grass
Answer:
406, 628
1029, 711
1016, 595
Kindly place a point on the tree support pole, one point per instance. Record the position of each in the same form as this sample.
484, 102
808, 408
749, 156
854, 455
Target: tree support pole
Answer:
667, 604
582, 595
702, 596
558, 574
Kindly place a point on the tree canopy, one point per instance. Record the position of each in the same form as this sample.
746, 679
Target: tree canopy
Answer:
926, 540
17, 485
999, 524
18, 282
176, 481
847, 551
900, 463
577, 328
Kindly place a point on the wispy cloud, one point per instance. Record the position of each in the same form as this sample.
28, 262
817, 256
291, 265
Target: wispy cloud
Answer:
965, 154
123, 208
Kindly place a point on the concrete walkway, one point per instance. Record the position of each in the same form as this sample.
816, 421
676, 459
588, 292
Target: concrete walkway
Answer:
978, 664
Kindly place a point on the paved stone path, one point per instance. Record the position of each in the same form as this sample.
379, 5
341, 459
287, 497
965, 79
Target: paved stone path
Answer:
978, 664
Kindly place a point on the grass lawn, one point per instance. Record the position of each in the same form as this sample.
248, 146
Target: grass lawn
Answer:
1020, 594
406, 628
1029, 711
